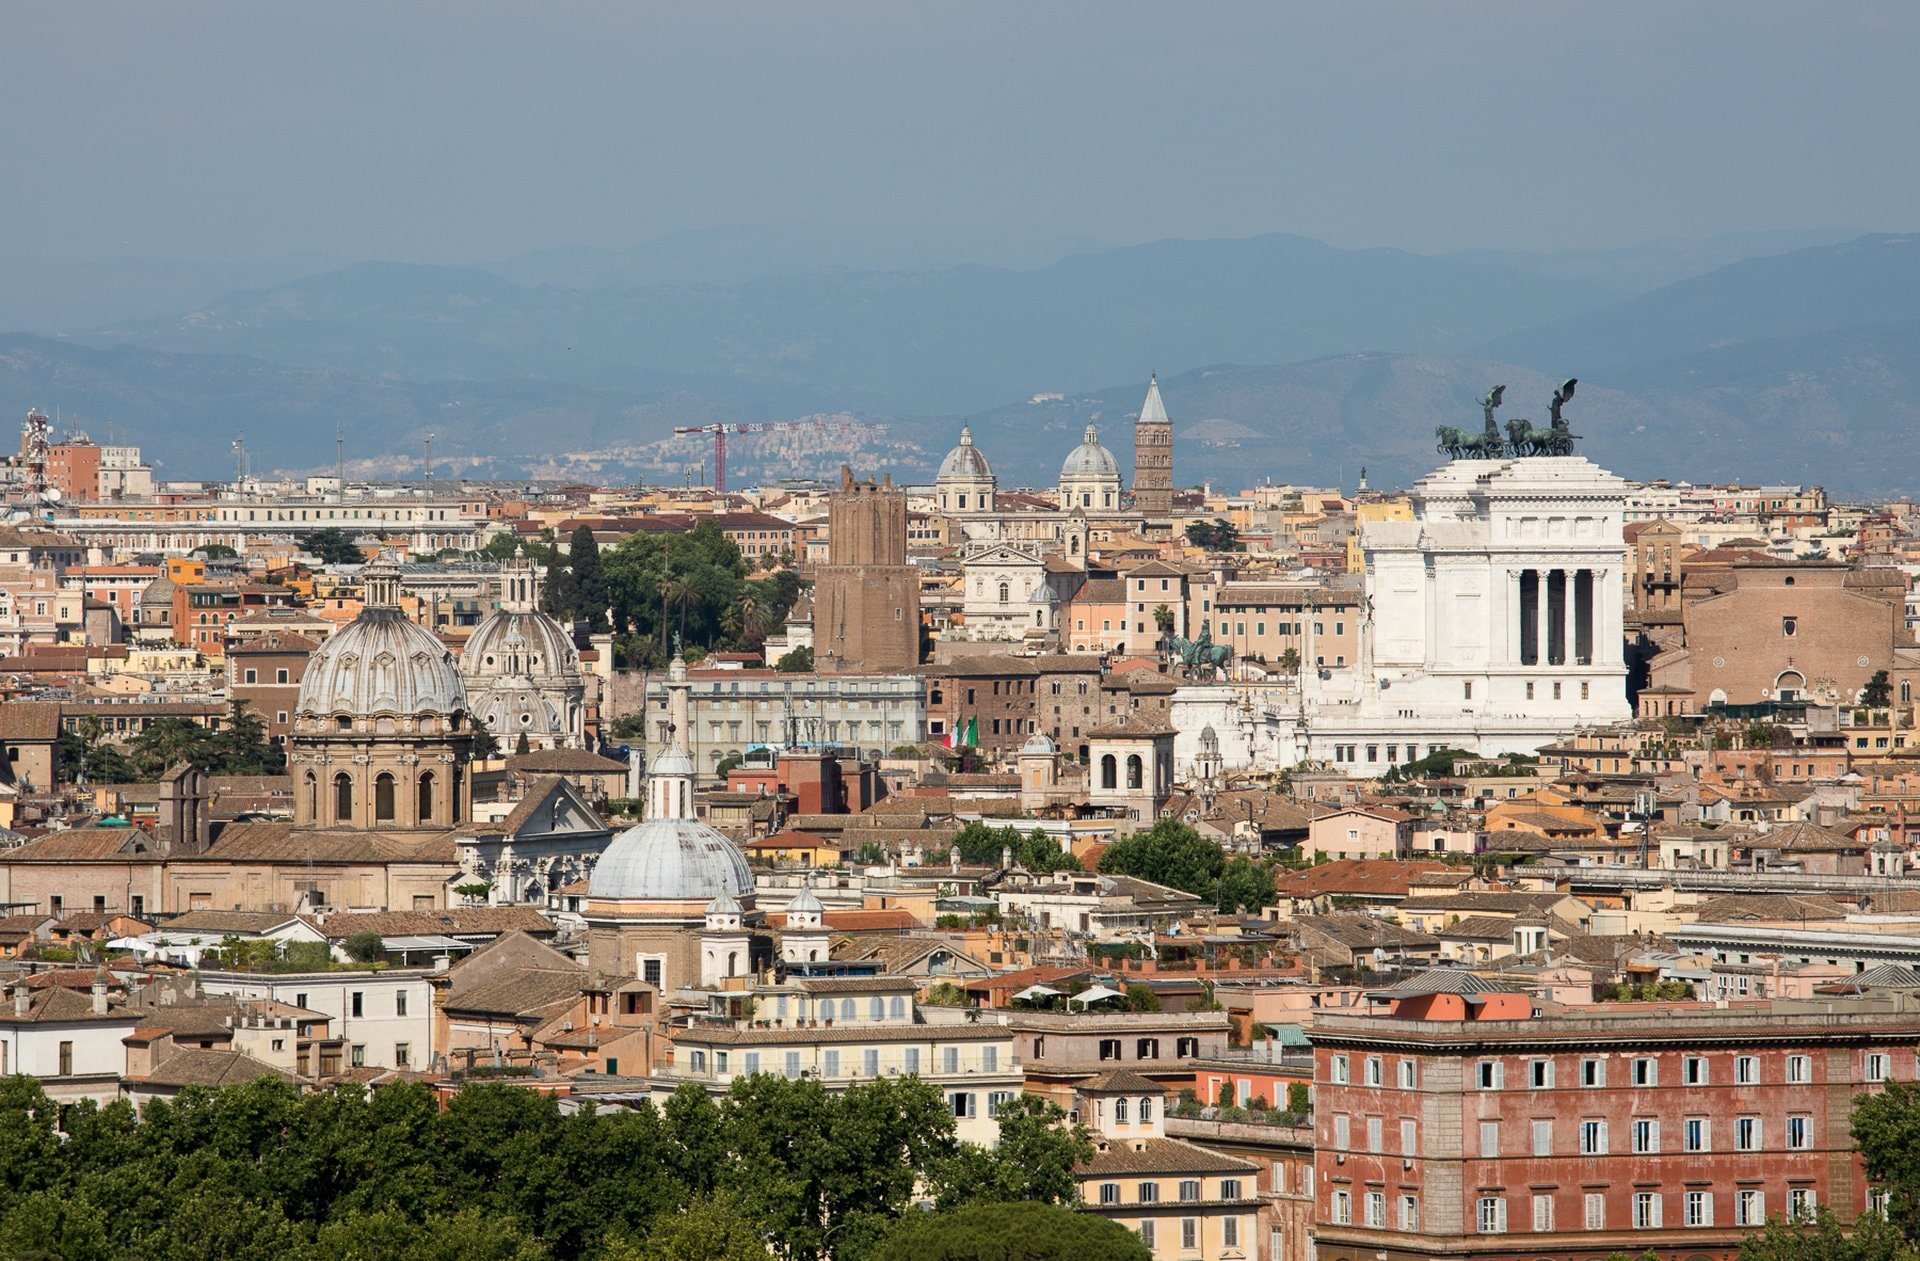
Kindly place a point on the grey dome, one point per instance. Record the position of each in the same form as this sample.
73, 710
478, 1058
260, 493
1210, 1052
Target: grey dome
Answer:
965, 462
1039, 743
382, 663
674, 761
671, 860
519, 643
805, 903
523, 676
1090, 459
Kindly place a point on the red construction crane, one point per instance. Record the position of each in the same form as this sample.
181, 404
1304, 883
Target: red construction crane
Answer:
720, 430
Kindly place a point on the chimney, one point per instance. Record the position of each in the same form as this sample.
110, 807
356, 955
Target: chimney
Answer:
442, 962
22, 1000
99, 995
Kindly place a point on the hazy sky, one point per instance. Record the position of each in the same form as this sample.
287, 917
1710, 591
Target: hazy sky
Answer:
465, 130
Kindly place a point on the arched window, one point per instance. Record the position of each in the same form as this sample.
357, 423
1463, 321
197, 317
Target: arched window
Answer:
1906, 691
343, 798
1003, 593
1109, 772
899, 1008
423, 800
313, 796
846, 1009
453, 806
877, 1008
733, 962
383, 797
1133, 770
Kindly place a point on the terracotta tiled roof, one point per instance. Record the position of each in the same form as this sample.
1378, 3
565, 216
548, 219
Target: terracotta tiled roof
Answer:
191, 1066
452, 922
277, 841
518, 992
565, 761
88, 844
229, 921
1160, 1156
30, 720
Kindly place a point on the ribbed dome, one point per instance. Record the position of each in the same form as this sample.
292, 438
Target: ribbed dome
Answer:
805, 903
672, 762
1090, 459
965, 462
382, 663
519, 643
671, 860
1039, 743
523, 676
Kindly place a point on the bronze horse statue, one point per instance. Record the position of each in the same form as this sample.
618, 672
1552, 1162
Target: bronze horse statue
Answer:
1459, 444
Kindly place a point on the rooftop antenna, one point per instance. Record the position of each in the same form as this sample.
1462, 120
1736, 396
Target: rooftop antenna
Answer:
429, 456
340, 459
239, 460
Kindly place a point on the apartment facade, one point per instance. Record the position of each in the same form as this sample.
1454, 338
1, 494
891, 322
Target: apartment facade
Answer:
1466, 1124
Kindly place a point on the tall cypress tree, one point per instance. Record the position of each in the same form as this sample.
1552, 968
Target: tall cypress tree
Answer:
589, 583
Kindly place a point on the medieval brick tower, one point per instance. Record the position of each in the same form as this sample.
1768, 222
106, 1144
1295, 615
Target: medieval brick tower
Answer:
866, 602
1153, 459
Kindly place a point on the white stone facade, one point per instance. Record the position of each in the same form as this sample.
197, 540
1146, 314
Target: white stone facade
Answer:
1494, 624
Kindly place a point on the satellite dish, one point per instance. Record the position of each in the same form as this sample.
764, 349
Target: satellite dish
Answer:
51, 494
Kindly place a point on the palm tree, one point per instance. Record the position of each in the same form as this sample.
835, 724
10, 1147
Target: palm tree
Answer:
1163, 620
751, 620
1290, 661
681, 592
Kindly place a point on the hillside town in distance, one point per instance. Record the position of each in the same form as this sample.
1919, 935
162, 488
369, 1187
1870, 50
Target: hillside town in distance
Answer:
1513, 865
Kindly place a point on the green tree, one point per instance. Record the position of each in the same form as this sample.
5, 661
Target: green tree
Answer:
678, 593
1878, 693
366, 947
1169, 853
1009, 1232
712, 1228
1245, 885
166, 743
1886, 1131
521, 746
1215, 535
795, 661
241, 747
1142, 998
1872, 1238
589, 580
484, 744
62, 1225
1289, 661
333, 546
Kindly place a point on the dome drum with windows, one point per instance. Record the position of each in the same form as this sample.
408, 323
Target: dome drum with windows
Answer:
381, 739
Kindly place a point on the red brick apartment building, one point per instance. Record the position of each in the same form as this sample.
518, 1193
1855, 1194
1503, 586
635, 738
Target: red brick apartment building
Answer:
1464, 1123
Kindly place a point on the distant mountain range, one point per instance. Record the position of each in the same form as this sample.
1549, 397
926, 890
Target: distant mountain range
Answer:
1280, 358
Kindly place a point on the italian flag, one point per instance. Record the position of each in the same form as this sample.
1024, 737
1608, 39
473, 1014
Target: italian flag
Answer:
962, 736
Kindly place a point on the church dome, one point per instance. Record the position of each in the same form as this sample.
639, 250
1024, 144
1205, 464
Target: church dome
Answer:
521, 643
966, 462
382, 662
673, 762
671, 860
1040, 744
804, 903
1089, 459
672, 857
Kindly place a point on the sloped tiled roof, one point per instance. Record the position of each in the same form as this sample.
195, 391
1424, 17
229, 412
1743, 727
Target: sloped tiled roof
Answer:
1161, 1156
192, 1066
